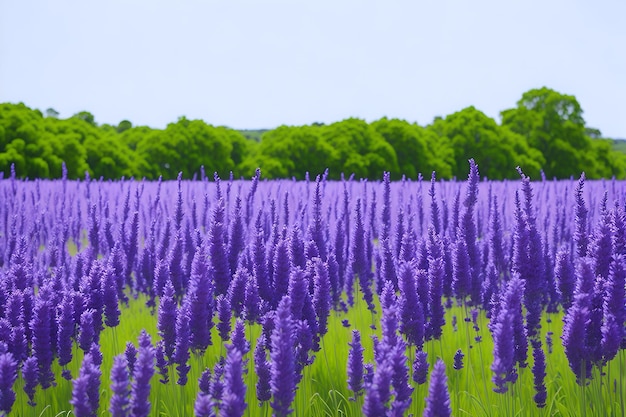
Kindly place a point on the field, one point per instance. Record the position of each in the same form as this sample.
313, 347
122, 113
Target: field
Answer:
312, 298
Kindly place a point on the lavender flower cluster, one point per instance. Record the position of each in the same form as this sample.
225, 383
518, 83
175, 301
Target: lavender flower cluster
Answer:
283, 255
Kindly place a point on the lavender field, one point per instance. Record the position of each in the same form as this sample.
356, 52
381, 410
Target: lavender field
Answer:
313, 298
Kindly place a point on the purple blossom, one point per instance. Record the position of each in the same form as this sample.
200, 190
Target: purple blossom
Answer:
30, 375
411, 310
321, 295
131, 357
8, 375
181, 353
161, 362
438, 400
224, 316
458, 360
166, 322
400, 380
283, 360
87, 332
420, 367
355, 365
539, 374
119, 405
262, 369
200, 294
204, 382
233, 402
42, 341
143, 372
203, 407
65, 326
86, 390
238, 337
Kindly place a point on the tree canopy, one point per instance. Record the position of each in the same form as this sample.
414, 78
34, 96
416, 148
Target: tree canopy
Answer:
545, 133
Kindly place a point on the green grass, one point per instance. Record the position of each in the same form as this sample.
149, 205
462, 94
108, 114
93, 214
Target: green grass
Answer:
324, 392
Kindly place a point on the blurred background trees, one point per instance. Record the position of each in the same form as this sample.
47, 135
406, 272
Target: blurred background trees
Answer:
545, 132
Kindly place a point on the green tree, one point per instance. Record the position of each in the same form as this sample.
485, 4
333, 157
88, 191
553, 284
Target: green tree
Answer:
497, 150
553, 123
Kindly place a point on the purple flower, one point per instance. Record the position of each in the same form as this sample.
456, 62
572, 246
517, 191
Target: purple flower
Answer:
166, 322
218, 259
580, 234
237, 291
411, 310
30, 375
458, 360
204, 382
574, 342
438, 400
143, 372
203, 407
86, 390
614, 312
181, 353
8, 375
400, 380
119, 405
262, 371
238, 337
42, 341
252, 304
355, 365
420, 367
65, 326
236, 240
200, 293
224, 316
131, 356
539, 374
321, 295
436, 275
87, 332
283, 360
161, 362
565, 278
109, 298
378, 392
233, 398
282, 270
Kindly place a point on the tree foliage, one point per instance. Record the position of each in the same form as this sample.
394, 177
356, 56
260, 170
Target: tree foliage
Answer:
545, 132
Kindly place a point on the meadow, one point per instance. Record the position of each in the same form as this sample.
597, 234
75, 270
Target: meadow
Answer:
312, 298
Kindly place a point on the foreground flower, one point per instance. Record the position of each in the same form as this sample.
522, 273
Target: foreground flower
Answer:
438, 400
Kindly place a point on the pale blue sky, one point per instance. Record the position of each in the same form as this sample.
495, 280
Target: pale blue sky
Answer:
259, 64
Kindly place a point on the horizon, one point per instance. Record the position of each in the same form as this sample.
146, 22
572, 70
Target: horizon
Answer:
253, 66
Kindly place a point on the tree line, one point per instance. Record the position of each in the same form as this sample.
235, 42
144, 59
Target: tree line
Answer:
545, 134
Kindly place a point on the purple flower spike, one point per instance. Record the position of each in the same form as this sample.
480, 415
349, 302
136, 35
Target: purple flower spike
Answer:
30, 375
203, 406
131, 356
420, 367
458, 360
263, 371
283, 360
119, 405
166, 322
539, 373
181, 353
8, 375
438, 400
355, 365
143, 372
238, 337
233, 398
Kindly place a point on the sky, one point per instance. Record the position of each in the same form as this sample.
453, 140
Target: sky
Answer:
261, 64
